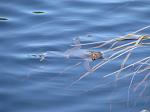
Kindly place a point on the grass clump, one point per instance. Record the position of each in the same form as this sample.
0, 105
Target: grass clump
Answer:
119, 47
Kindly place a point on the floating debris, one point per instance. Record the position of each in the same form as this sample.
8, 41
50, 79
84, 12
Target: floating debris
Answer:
3, 19
39, 12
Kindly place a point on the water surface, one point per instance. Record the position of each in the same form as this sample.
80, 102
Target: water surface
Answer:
37, 26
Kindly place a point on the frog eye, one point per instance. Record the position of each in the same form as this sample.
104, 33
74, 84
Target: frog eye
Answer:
93, 59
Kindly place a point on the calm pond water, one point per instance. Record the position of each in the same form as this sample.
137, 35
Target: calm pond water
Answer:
30, 27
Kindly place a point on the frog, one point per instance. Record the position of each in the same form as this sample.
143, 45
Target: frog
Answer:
85, 56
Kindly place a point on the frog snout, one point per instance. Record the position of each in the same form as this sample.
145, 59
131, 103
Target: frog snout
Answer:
96, 55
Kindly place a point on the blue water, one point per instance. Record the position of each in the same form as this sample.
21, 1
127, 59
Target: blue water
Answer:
28, 85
